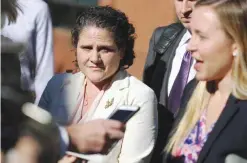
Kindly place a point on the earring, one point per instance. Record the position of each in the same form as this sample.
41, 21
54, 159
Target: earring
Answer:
235, 53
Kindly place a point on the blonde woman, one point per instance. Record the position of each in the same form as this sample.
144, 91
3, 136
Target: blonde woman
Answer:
213, 123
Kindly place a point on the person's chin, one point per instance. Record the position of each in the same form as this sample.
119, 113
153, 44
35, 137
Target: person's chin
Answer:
186, 24
201, 77
96, 79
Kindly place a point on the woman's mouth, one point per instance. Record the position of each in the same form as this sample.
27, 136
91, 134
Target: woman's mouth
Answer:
96, 67
198, 65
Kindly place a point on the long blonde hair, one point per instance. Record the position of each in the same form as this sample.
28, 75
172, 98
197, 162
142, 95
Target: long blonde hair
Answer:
233, 17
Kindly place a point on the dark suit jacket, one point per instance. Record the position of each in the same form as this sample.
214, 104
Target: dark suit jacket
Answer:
162, 49
229, 135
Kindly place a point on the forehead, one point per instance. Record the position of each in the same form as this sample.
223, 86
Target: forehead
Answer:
204, 19
96, 33
186, 1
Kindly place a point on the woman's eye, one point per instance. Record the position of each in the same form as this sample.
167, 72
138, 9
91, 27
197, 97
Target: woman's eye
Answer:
86, 48
202, 37
104, 50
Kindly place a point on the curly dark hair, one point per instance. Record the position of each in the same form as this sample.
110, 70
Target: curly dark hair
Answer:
115, 22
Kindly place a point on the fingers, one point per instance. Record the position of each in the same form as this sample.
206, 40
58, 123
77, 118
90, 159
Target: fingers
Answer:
108, 146
114, 124
109, 132
114, 134
114, 129
96, 135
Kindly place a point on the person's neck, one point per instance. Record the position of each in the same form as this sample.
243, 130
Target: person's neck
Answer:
98, 86
224, 86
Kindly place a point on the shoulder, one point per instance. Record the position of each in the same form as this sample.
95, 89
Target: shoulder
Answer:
167, 36
58, 79
36, 4
63, 78
159, 30
170, 29
60, 76
41, 6
237, 103
242, 105
33, 7
140, 91
173, 26
33, 4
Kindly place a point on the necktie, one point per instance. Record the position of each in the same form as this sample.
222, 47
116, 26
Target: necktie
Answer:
179, 83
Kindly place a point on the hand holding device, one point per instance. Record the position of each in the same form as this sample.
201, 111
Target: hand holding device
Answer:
124, 113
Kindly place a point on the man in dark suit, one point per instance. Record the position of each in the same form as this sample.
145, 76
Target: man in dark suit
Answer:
168, 69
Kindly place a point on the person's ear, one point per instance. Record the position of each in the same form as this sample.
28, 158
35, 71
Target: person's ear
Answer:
235, 53
235, 50
122, 54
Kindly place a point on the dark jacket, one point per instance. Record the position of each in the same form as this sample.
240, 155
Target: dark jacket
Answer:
162, 49
229, 135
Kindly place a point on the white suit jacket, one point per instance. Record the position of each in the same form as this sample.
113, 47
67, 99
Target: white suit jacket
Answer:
60, 98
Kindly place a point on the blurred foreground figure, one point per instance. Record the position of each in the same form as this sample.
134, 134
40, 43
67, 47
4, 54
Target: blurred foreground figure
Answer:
24, 137
33, 28
38, 140
30, 136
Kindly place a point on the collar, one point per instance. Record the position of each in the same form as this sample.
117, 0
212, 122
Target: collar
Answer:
186, 37
120, 80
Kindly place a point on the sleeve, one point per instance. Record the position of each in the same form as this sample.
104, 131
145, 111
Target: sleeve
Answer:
141, 133
43, 50
46, 97
150, 59
45, 101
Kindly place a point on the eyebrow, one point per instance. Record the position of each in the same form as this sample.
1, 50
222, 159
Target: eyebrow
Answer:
83, 45
198, 31
110, 47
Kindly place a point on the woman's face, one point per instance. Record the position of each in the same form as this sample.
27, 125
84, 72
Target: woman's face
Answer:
210, 46
97, 54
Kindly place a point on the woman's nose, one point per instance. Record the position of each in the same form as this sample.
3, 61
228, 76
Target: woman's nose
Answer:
95, 56
191, 45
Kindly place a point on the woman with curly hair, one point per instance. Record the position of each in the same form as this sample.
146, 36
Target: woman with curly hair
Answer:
104, 42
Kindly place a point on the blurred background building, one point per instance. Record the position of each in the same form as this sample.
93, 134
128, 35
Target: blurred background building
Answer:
146, 15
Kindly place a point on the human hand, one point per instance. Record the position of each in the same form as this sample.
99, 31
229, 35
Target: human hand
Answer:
95, 136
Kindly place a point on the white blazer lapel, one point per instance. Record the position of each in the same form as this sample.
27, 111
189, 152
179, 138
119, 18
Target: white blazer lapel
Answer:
114, 96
